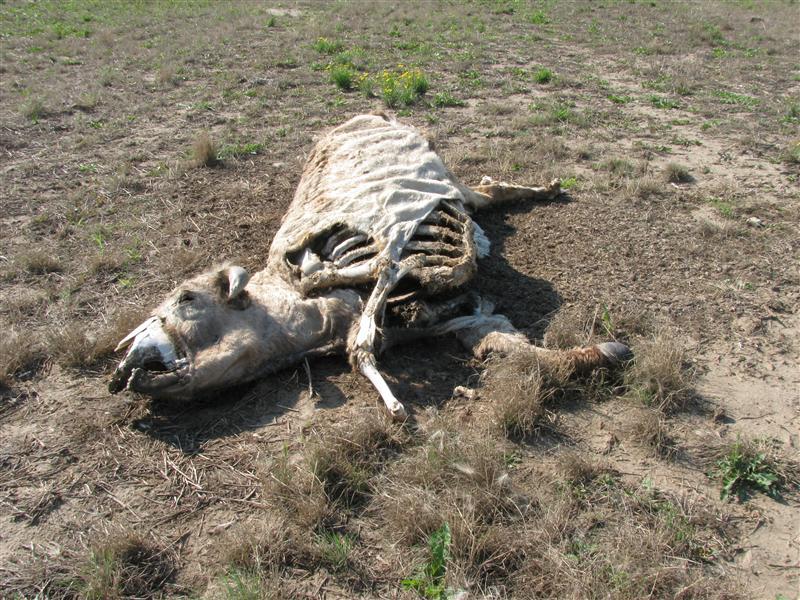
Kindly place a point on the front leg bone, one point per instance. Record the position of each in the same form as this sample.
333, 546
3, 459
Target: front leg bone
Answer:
362, 349
370, 371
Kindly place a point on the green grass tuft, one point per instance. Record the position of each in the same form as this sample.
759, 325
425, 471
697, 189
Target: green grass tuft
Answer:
442, 99
430, 579
543, 75
326, 46
744, 470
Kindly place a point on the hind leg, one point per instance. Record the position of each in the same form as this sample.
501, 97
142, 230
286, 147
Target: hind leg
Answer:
484, 333
491, 192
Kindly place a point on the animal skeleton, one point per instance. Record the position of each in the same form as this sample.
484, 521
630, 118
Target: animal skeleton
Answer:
377, 220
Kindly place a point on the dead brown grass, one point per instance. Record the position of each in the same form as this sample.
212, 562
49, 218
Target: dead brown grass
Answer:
124, 567
345, 459
521, 386
18, 353
204, 151
40, 263
77, 346
660, 376
650, 429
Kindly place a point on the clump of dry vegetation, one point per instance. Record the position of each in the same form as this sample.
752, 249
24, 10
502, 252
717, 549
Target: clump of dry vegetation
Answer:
77, 346
660, 376
125, 567
651, 429
521, 386
18, 353
204, 151
40, 263
677, 173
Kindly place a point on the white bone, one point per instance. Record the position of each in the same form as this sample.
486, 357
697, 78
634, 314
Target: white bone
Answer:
393, 404
237, 280
354, 255
482, 244
128, 338
346, 245
310, 263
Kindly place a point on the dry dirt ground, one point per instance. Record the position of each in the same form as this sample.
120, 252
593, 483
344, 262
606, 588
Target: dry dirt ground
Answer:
675, 129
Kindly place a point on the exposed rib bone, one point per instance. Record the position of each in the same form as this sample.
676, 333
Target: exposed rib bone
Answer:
437, 233
433, 248
354, 255
346, 245
440, 217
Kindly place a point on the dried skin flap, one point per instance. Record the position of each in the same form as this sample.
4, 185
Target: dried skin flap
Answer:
378, 180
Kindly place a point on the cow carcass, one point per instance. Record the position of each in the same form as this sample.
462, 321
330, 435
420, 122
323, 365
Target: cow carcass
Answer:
375, 248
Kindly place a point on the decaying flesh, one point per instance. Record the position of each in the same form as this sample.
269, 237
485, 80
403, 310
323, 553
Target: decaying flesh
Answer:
377, 221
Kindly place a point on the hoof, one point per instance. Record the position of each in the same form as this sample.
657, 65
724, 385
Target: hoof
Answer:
615, 352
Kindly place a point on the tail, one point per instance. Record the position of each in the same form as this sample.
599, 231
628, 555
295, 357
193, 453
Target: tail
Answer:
491, 192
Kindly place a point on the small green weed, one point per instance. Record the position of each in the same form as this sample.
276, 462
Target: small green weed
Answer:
618, 99
343, 77
270, 22
743, 470
100, 237
244, 584
543, 75
661, 102
471, 78
397, 88
442, 99
430, 580
736, 99
87, 168
569, 182
793, 114
335, 548
724, 208
326, 46
538, 17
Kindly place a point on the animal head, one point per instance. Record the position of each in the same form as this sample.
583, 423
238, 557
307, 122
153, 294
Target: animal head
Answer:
200, 338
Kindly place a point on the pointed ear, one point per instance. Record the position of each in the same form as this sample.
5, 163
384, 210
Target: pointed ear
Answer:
232, 281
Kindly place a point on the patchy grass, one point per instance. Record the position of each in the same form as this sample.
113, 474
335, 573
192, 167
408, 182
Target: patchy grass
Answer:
734, 99
662, 102
446, 99
297, 496
327, 46
239, 150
